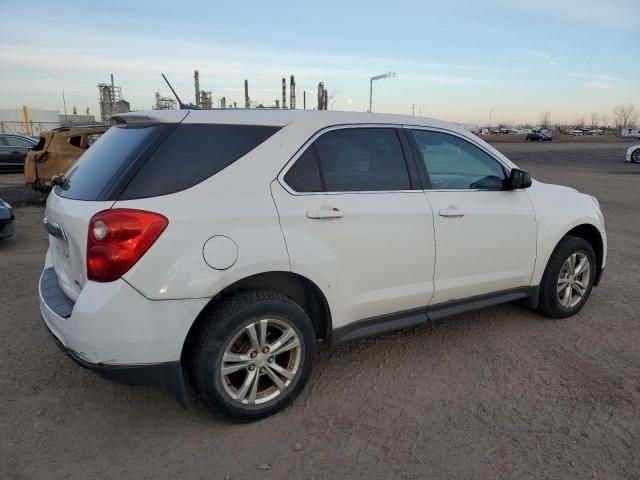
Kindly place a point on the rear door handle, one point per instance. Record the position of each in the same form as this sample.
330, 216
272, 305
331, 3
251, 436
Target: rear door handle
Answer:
451, 212
325, 212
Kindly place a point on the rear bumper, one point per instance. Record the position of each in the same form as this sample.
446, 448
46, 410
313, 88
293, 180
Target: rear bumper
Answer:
6, 228
166, 375
119, 334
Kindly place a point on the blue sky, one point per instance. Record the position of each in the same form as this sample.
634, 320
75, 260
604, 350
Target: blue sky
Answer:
454, 60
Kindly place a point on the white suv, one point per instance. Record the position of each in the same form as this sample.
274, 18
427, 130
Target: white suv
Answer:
213, 251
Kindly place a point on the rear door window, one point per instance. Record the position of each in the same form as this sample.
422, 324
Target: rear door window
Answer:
304, 176
352, 160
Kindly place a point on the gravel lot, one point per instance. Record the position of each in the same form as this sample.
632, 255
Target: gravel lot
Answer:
498, 393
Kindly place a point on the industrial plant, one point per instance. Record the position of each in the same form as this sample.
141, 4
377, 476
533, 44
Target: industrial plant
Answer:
203, 99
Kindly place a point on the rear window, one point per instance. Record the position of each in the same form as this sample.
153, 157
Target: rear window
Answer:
191, 154
130, 161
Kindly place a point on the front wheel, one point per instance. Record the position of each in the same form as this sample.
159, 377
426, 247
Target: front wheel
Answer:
635, 156
568, 278
253, 355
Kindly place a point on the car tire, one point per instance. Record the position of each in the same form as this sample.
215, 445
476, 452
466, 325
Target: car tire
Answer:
231, 338
635, 156
565, 288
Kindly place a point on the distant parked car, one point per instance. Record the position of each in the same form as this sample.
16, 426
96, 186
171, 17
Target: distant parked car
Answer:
633, 154
56, 152
6, 219
13, 149
538, 137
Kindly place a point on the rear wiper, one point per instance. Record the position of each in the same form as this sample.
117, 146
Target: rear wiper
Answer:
60, 180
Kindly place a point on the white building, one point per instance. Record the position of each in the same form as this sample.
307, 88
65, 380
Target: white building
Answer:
12, 120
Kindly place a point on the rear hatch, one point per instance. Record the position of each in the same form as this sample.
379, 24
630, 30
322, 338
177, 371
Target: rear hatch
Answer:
92, 185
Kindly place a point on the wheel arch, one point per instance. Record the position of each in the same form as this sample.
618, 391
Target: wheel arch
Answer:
591, 234
297, 287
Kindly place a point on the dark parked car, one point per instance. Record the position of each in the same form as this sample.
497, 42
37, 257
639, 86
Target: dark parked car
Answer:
539, 137
6, 219
13, 150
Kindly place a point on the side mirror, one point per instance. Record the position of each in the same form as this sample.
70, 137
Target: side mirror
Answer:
519, 179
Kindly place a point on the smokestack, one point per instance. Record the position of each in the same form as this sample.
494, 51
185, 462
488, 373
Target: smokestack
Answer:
320, 95
196, 81
292, 93
113, 95
246, 94
284, 93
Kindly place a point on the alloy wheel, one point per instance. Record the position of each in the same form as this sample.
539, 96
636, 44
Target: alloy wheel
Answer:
261, 361
573, 280
635, 156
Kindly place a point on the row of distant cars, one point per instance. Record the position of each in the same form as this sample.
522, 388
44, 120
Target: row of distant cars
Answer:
40, 158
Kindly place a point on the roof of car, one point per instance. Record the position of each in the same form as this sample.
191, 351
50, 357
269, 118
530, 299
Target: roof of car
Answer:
282, 117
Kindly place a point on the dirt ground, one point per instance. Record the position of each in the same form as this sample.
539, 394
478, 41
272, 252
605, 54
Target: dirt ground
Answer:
497, 393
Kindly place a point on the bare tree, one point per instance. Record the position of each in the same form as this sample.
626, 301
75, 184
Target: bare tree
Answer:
545, 120
605, 120
579, 123
625, 115
595, 119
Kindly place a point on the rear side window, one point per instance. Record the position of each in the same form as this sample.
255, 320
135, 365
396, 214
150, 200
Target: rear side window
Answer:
20, 142
75, 141
191, 154
352, 160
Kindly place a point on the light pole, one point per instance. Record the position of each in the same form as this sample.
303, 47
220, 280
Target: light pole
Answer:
490, 112
420, 109
377, 77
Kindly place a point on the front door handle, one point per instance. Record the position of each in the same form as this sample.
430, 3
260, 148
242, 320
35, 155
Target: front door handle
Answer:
324, 212
451, 212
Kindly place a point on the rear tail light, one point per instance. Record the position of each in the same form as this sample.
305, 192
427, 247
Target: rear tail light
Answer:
117, 239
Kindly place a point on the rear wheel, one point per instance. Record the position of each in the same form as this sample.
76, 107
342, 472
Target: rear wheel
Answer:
568, 278
253, 355
635, 156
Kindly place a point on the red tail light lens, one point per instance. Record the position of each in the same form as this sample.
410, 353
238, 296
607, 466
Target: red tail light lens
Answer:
117, 239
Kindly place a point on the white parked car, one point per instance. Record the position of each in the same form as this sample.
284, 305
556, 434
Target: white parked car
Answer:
217, 250
633, 154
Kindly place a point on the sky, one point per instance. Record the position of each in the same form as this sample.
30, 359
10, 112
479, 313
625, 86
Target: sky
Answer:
454, 60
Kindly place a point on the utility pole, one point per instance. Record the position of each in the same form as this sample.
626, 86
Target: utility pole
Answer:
247, 102
490, 112
413, 109
304, 99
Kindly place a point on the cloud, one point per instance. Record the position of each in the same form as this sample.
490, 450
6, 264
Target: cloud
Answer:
598, 85
540, 55
594, 76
